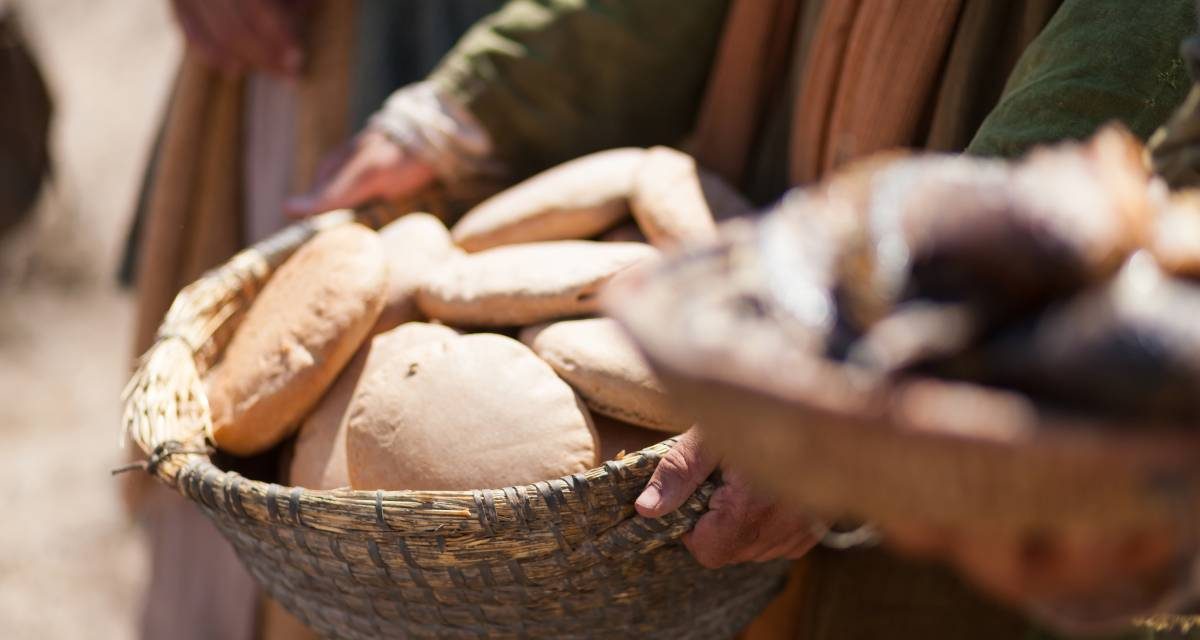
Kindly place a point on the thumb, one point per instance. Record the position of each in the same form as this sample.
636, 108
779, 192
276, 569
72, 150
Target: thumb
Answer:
684, 468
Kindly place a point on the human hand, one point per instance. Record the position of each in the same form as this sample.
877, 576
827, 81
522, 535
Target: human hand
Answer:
739, 526
236, 35
370, 166
1081, 580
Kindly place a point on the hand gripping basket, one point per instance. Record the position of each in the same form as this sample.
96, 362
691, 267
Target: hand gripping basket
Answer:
840, 442
563, 558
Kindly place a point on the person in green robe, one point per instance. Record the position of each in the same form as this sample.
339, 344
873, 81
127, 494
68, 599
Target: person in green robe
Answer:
774, 94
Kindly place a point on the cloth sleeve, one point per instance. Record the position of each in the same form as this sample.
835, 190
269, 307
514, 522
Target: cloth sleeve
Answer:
1096, 61
554, 79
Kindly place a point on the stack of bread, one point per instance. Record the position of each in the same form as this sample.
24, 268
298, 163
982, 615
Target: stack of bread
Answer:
428, 358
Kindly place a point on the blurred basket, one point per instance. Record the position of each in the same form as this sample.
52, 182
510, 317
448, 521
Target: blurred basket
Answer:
564, 558
843, 443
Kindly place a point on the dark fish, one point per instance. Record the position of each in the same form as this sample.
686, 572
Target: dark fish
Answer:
1130, 347
1010, 237
985, 242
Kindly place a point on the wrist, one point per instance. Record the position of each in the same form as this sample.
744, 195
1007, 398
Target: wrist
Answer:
437, 133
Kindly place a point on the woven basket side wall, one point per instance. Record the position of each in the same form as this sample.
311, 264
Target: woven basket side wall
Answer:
324, 579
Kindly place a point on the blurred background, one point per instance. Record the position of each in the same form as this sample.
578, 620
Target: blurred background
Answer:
71, 563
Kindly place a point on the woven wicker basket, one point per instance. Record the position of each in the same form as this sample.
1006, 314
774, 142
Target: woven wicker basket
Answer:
564, 558
842, 443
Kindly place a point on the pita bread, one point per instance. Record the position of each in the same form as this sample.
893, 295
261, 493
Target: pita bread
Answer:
675, 202
596, 358
474, 412
414, 246
319, 456
300, 332
526, 283
575, 200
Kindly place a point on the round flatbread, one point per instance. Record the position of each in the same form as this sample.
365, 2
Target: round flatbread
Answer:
575, 200
319, 456
474, 412
415, 245
526, 283
674, 201
304, 327
596, 358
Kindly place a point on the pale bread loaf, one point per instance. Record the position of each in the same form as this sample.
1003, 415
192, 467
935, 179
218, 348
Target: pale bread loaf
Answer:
319, 456
674, 201
577, 199
414, 246
526, 283
473, 412
597, 359
300, 332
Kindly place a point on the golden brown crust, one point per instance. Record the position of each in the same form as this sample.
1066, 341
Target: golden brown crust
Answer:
301, 331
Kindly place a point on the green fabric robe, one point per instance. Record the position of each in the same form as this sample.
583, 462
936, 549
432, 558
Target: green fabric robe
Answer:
555, 79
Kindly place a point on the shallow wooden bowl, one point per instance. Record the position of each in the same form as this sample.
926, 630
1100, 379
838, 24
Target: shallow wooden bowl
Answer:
842, 442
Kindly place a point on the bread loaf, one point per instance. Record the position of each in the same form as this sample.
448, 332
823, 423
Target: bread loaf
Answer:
526, 283
304, 327
575, 200
414, 246
596, 358
319, 456
675, 201
473, 412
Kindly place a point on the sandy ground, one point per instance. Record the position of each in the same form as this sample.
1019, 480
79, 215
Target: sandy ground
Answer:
71, 565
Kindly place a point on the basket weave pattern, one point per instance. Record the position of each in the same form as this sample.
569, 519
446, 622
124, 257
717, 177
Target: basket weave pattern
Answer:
562, 558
